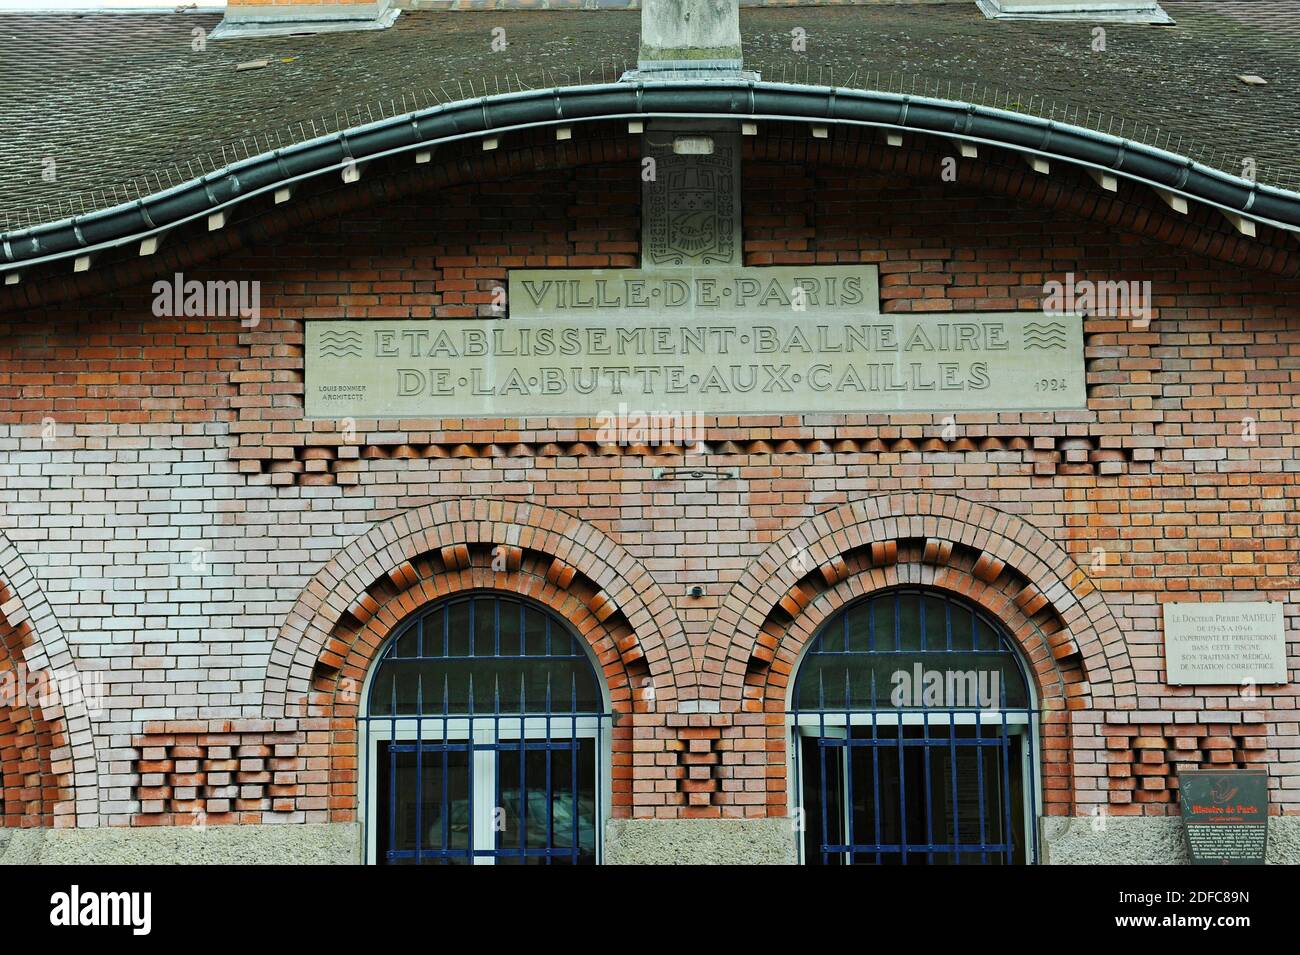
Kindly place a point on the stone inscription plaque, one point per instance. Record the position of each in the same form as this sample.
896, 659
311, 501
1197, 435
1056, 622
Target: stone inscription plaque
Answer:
628, 296
1224, 643
1225, 815
740, 341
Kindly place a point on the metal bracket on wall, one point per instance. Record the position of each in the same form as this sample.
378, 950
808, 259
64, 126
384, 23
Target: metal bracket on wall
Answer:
694, 474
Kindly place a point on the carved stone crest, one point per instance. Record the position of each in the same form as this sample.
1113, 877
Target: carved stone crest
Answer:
691, 204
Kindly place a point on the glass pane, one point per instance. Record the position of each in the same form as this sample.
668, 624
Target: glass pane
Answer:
909, 621
840, 671
858, 621
381, 691
962, 618
437, 633
485, 629
515, 658
424, 805
547, 803
512, 617
930, 798
534, 633
822, 801
936, 623
408, 644
963, 681
883, 620
407, 683
458, 627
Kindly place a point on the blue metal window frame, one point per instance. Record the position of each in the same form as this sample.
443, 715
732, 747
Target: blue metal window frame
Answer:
839, 731
435, 729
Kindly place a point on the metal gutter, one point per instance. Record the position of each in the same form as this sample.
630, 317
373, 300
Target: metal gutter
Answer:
715, 98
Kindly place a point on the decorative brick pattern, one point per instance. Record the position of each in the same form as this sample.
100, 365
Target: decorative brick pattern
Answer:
613, 581
196, 772
1143, 760
341, 464
224, 563
876, 530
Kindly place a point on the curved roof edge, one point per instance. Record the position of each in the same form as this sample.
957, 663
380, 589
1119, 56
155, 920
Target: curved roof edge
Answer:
716, 99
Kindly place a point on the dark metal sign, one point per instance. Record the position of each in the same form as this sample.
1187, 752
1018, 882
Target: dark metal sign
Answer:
1225, 815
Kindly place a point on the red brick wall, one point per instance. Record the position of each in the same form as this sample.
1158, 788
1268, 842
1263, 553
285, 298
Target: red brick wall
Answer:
185, 435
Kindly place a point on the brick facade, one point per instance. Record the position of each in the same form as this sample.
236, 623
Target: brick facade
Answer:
229, 569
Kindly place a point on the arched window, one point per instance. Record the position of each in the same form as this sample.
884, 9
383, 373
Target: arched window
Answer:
484, 734
913, 737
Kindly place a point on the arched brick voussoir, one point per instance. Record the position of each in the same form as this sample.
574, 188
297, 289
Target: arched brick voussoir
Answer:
344, 580
1049, 681
359, 654
45, 648
942, 517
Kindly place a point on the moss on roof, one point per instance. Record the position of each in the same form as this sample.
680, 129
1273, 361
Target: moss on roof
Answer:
92, 102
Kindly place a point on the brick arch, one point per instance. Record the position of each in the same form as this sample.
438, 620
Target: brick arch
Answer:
563, 562
1054, 682
336, 699
1058, 683
994, 547
48, 768
625, 677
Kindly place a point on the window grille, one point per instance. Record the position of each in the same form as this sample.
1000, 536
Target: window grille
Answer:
484, 737
912, 737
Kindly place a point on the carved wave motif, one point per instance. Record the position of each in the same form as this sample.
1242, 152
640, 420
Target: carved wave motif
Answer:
1044, 335
340, 344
